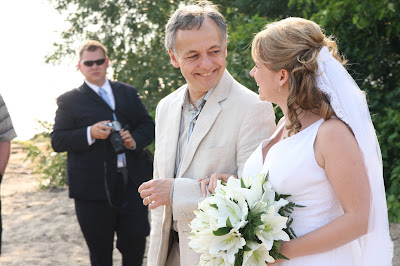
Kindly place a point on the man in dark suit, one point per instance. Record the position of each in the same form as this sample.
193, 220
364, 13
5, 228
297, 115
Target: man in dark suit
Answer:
103, 183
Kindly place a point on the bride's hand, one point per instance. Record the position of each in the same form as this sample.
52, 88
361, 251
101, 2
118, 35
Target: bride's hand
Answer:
211, 182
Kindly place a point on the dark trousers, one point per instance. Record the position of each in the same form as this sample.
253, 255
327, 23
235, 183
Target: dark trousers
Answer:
99, 222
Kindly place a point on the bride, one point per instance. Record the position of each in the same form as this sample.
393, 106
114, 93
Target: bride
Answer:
324, 153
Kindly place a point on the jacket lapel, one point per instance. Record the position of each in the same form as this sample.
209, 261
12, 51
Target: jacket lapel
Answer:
94, 96
172, 130
206, 119
117, 95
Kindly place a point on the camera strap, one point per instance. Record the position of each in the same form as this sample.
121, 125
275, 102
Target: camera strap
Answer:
123, 194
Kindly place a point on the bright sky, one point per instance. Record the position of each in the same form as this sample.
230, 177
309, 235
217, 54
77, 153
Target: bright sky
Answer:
28, 85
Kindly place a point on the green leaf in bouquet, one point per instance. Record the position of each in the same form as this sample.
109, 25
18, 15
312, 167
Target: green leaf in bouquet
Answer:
266, 177
222, 231
290, 232
288, 208
258, 222
246, 248
242, 185
239, 258
289, 222
281, 196
254, 220
228, 223
214, 206
274, 252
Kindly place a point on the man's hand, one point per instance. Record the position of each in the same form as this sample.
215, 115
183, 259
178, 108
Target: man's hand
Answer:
126, 136
99, 130
156, 192
211, 182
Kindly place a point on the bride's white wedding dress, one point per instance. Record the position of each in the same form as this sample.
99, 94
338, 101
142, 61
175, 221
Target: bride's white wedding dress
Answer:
293, 170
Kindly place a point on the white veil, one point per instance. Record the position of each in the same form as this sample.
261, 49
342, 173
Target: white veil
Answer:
350, 105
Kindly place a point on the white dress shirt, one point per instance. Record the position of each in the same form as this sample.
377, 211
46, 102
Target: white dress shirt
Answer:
107, 87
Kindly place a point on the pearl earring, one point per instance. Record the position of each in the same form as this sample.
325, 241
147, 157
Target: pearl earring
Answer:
279, 89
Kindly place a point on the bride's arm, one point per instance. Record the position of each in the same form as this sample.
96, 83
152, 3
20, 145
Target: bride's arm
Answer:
337, 151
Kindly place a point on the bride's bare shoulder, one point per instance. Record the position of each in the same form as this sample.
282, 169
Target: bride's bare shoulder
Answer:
335, 133
334, 126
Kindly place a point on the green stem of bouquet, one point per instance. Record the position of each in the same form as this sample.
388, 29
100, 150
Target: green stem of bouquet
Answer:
239, 258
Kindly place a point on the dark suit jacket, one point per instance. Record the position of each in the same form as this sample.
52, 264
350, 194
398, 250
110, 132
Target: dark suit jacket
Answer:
88, 166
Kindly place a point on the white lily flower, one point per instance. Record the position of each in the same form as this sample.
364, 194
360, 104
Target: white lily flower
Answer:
209, 260
258, 255
279, 204
200, 241
251, 195
261, 178
271, 229
221, 189
247, 181
269, 194
230, 204
231, 243
233, 184
236, 212
218, 223
201, 221
269, 197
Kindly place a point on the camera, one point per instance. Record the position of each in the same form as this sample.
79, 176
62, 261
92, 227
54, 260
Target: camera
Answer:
115, 137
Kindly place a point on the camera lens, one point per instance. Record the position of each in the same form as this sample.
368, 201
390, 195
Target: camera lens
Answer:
117, 142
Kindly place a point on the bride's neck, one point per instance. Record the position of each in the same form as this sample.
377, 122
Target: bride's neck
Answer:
306, 118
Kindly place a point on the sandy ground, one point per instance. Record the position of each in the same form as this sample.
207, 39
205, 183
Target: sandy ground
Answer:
40, 227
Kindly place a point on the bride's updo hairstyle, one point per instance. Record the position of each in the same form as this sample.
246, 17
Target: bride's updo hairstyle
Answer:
294, 44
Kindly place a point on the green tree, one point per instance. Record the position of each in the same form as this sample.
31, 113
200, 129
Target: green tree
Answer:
51, 166
133, 32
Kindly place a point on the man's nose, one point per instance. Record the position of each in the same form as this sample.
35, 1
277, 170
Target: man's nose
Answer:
206, 62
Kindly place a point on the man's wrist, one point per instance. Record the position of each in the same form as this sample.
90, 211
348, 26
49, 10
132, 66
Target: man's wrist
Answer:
133, 146
90, 140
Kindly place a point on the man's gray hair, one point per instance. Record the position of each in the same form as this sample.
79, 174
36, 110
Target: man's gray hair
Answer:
188, 17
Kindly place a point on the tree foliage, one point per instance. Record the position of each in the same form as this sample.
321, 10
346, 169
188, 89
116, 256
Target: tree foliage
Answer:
51, 166
368, 33
133, 33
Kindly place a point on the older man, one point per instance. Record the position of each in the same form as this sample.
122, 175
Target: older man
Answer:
210, 125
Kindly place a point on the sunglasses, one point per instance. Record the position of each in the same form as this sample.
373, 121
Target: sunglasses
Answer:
98, 62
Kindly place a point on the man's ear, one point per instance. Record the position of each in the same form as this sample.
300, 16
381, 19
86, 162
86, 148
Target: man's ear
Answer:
174, 59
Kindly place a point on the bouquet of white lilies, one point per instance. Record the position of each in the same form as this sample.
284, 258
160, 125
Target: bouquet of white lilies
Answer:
242, 223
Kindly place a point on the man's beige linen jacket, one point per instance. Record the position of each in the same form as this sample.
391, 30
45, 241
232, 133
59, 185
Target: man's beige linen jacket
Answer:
231, 125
